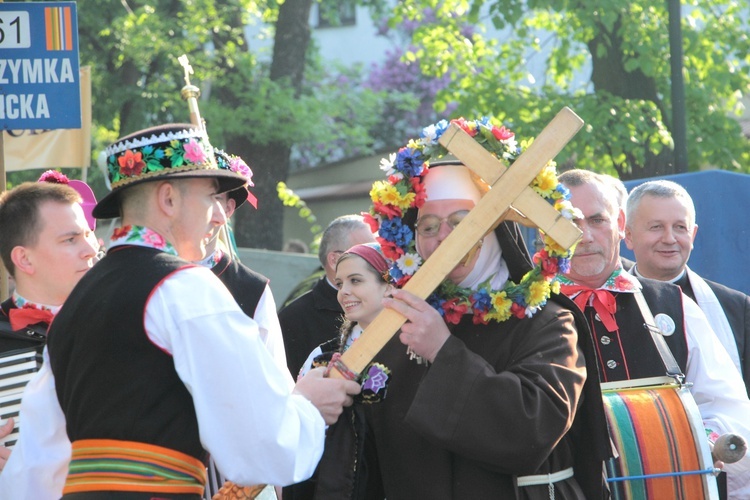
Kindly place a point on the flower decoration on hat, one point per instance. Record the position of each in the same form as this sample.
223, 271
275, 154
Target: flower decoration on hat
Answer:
88, 199
170, 151
404, 189
54, 177
185, 149
235, 164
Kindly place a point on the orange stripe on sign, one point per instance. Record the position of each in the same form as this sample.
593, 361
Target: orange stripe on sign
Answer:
68, 29
47, 25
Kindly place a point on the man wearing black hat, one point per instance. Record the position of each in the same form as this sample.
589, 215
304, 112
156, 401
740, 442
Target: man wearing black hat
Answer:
151, 363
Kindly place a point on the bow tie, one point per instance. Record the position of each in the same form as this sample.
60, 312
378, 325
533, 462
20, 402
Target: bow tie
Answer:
22, 317
604, 303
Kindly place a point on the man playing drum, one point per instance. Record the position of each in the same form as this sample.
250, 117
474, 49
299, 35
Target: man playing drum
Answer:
607, 295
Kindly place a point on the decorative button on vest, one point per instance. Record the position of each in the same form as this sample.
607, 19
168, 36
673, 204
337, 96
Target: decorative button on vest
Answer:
665, 323
611, 364
605, 340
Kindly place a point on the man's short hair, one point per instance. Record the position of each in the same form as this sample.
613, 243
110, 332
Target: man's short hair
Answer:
20, 223
620, 189
578, 177
660, 189
336, 236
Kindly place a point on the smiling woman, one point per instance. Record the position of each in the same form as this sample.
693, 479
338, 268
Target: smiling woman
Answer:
362, 281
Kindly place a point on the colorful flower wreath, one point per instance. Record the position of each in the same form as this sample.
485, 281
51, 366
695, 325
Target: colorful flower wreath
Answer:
404, 189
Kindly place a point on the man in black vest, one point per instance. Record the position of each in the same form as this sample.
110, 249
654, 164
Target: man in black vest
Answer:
315, 317
46, 246
606, 294
660, 229
151, 363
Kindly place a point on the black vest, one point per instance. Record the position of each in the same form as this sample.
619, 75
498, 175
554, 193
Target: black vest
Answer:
245, 285
111, 380
33, 336
641, 359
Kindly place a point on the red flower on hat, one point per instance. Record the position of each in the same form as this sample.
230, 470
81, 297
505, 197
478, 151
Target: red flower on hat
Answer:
131, 163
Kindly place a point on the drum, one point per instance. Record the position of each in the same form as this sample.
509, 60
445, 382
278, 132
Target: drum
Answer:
659, 436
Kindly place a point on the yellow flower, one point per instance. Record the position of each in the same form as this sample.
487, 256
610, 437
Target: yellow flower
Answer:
553, 249
500, 310
554, 287
546, 182
405, 202
387, 194
538, 293
413, 144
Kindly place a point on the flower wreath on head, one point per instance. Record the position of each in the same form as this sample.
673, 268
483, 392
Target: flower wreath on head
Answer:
404, 190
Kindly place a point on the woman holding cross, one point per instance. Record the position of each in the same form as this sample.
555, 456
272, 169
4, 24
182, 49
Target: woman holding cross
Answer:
498, 409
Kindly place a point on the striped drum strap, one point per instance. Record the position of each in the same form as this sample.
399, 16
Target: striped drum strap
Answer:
112, 465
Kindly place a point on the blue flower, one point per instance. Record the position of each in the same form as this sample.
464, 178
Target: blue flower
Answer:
563, 265
437, 303
481, 300
394, 230
395, 273
409, 162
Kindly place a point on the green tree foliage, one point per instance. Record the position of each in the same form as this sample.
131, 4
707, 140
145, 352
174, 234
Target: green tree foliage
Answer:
257, 106
625, 46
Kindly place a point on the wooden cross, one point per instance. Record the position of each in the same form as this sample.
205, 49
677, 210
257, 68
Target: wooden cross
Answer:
510, 197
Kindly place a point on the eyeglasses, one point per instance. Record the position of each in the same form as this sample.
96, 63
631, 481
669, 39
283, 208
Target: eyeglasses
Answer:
429, 225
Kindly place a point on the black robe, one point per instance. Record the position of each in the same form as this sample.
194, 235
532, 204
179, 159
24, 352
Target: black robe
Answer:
500, 401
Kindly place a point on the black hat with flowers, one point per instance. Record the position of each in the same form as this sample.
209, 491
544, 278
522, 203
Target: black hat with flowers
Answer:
166, 151
237, 165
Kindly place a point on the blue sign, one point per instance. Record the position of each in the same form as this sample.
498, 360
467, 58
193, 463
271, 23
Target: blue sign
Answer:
39, 79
